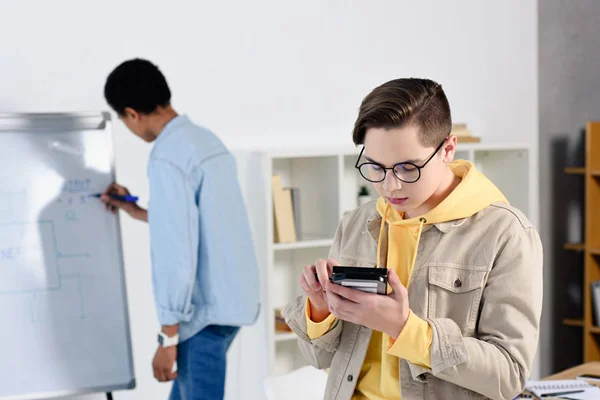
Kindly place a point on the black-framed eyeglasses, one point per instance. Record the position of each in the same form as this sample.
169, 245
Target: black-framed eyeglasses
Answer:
407, 172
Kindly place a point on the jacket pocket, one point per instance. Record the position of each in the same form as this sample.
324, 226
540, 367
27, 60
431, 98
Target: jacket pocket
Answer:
356, 261
455, 293
439, 389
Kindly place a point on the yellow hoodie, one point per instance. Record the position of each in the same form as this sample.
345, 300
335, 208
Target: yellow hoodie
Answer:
379, 377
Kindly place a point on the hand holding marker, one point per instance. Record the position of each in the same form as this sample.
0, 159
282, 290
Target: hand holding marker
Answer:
117, 197
126, 198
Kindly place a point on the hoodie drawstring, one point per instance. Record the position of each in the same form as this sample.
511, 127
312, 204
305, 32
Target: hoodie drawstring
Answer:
379, 255
422, 221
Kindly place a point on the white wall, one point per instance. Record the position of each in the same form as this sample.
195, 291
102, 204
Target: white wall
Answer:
266, 73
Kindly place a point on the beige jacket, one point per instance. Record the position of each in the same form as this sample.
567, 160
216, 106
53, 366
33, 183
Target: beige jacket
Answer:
476, 281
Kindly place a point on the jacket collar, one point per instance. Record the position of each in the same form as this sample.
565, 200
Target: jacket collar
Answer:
374, 225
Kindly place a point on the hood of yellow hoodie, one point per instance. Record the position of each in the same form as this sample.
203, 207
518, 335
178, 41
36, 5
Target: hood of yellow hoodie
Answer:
474, 193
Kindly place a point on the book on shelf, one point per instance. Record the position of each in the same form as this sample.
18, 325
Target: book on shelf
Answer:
280, 324
283, 215
467, 139
295, 192
596, 302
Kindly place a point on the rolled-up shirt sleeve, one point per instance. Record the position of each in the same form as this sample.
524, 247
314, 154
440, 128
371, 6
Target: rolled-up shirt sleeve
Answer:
174, 240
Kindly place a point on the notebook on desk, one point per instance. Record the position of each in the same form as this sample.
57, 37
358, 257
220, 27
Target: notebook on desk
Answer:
562, 389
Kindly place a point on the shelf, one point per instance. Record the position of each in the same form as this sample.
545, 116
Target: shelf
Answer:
305, 244
581, 247
575, 170
581, 171
573, 322
595, 329
285, 336
575, 246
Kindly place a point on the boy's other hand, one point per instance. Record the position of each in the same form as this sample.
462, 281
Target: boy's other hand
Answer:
163, 362
113, 205
315, 291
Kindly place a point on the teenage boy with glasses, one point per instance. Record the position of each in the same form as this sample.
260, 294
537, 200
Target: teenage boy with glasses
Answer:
461, 317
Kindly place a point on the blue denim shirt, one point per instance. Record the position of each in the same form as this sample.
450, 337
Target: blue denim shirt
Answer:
204, 267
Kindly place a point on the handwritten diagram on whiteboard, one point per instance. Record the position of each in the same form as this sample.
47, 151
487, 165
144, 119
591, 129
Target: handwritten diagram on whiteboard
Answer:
25, 267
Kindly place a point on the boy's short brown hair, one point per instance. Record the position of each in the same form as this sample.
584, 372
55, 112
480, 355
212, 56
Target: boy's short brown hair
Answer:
405, 101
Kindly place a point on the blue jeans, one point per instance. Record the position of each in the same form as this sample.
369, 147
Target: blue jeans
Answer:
201, 364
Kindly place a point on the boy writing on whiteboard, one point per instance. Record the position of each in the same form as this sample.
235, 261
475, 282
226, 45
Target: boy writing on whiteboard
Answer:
204, 289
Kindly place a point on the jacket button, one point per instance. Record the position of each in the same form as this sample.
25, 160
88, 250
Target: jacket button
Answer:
350, 378
457, 283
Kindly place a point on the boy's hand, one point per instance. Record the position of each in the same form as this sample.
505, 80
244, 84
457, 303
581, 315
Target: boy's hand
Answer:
163, 362
315, 291
112, 205
383, 313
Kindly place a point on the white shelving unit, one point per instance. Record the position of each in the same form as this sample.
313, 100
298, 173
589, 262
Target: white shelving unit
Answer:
329, 185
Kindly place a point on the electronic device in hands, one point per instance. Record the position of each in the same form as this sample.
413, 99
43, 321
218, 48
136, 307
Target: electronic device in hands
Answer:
372, 280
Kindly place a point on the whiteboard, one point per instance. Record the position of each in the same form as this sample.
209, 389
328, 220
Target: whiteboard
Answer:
63, 304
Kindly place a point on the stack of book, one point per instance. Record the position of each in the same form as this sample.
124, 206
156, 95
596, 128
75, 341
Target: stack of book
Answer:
464, 134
